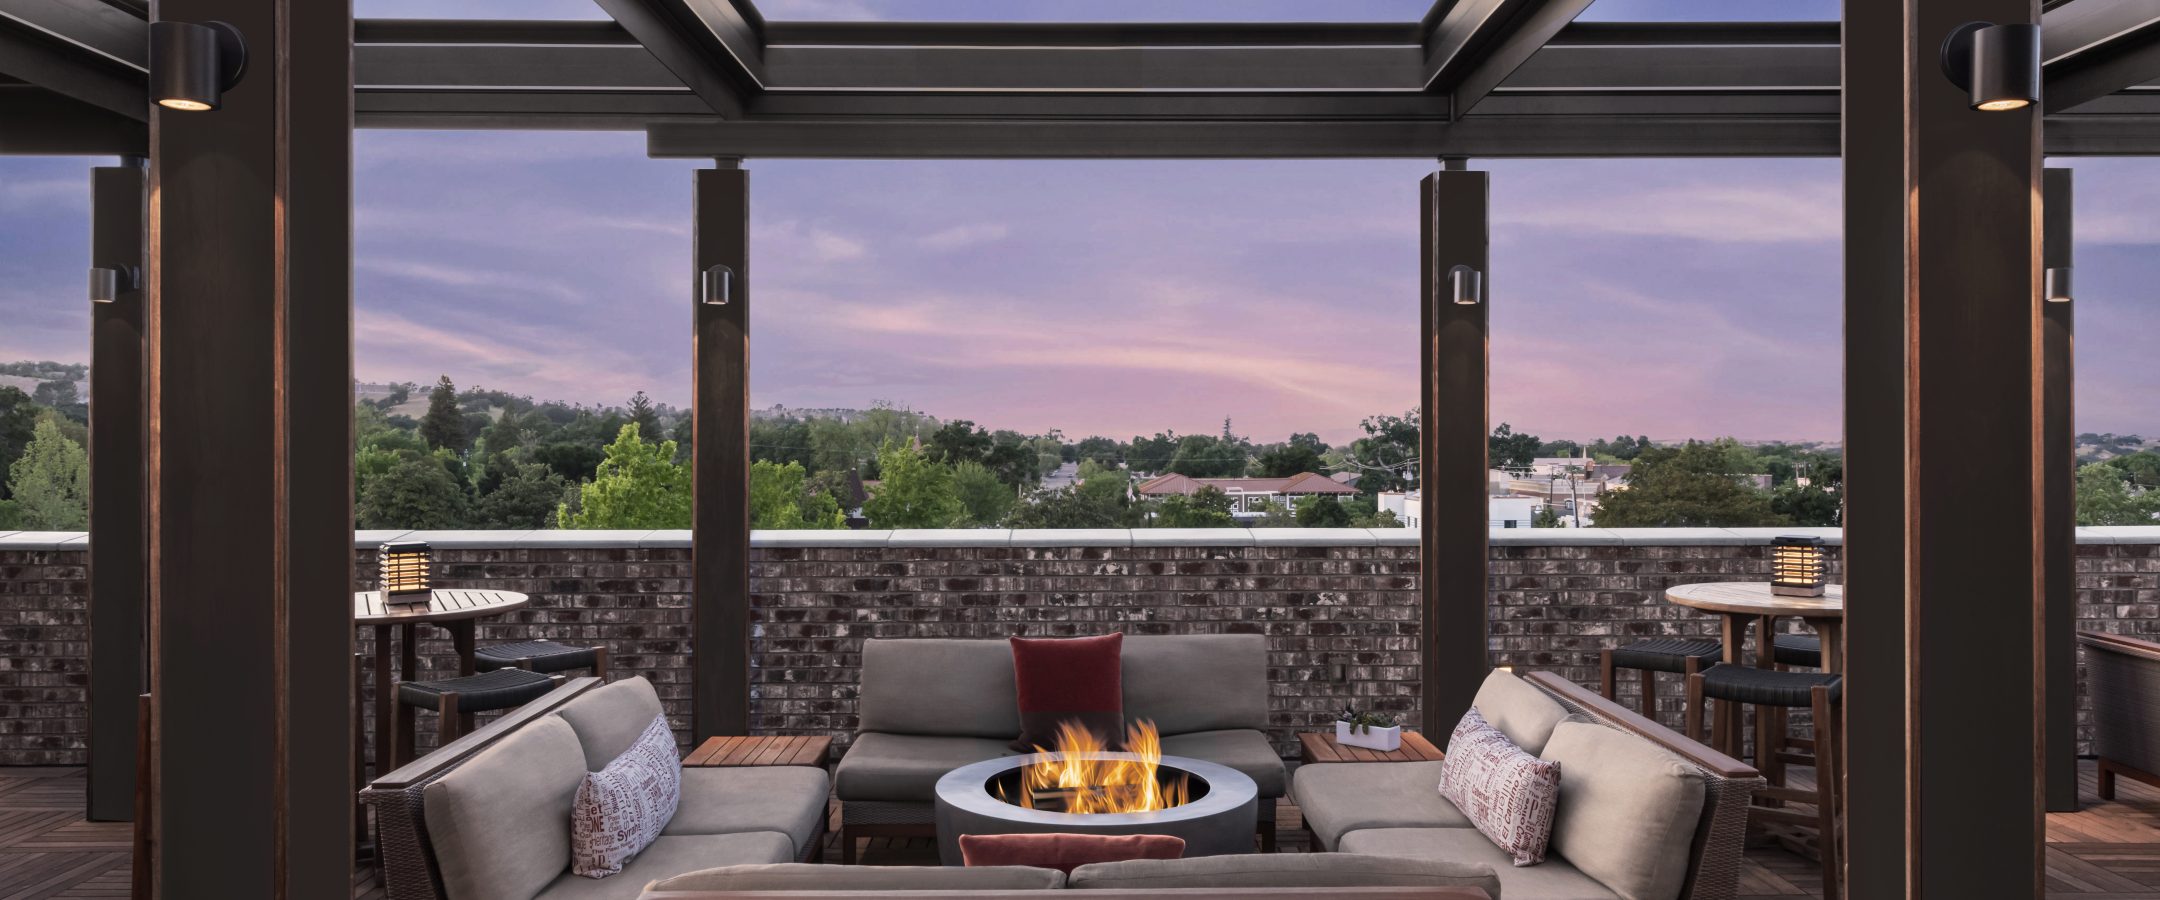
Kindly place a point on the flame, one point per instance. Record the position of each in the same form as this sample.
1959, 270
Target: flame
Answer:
1089, 779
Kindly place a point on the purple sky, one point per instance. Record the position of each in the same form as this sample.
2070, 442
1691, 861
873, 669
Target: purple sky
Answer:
1676, 298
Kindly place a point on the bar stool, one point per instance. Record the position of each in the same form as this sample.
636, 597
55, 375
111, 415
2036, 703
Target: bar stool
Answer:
1678, 655
541, 656
455, 700
1820, 693
1803, 650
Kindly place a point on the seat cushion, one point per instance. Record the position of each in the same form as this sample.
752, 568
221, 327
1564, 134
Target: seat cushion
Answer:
906, 767
805, 877
669, 857
1628, 810
609, 718
1288, 870
1068, 682
1667, 654
936, 686
1797, 650
1749, 684
1553, 879
1522, 712
1339, 798
500, 821
1197, 682
786, 799
1243, 749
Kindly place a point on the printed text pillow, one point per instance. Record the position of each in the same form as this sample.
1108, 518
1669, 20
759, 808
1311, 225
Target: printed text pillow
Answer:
1509, 795
621, 809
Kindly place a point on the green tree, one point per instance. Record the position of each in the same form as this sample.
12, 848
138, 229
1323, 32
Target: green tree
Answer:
958, 442
444, 425
1201, 456
1508, 449
2105, 497
1285, 460
643, 415
1322, 511
1102, 451
1695, 485
55, 394
1208, 507
1545, 517
1102, 499
51, 481
1015, 465
1807, 505
1386, 457
780, 498
525, 498
985, 499
18, 424
638, 485
416, 492
913, 491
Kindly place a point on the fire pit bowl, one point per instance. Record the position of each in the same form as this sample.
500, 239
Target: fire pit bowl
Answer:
1218, 817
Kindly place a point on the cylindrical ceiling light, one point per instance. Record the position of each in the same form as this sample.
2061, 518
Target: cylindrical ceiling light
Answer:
1999, 65
718, 286
193, 65
1466, 285
2055, 285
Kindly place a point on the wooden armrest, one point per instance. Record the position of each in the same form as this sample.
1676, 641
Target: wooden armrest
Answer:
2123, 644
1716, 763
457, 751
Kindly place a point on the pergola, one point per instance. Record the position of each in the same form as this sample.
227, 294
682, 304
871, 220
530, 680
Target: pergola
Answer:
222, 440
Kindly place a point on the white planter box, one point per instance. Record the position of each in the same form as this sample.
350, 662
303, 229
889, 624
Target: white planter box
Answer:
1382, 739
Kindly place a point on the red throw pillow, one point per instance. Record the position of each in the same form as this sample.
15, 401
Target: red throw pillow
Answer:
1073, 680
1065, 852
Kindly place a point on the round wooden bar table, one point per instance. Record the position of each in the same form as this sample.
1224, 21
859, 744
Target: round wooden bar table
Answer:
455, 610
1744, 603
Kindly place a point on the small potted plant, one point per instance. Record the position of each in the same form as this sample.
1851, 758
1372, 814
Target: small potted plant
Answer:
1371, 730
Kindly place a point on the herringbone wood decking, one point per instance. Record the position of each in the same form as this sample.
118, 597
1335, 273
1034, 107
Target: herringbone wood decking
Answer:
2108, 851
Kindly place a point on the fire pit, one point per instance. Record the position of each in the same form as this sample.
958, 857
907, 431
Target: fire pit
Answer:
1082, 789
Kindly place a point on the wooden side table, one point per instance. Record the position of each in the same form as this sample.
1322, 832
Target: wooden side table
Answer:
762, 750
1320, 747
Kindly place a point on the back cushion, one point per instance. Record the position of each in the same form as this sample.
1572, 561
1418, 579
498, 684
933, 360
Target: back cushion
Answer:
1628, 810
1522, 712
957, 688
500, 822
1285, 870
1197, 682
608, 719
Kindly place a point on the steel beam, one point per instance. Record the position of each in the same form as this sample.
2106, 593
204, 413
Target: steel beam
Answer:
1454, 217
65, 126
1525, 38
70, 69
2093, 48
250, 465
119, 504
2058, 502
720, 450
679, 43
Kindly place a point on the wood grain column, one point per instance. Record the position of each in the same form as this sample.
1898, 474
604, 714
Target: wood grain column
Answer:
1452, 448
119, 504
2058, 497
251, 464
720, 403
1943, 663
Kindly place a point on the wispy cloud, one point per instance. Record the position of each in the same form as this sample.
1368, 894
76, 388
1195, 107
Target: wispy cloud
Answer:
961, 237
510, 285
1719, 213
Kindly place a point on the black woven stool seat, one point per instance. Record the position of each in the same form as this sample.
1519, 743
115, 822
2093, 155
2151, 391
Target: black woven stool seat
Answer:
1666, 654
544, 656
500, 689
1767, 687
1797, 650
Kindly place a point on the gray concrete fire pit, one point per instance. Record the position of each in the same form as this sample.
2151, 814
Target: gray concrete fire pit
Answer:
1219, 815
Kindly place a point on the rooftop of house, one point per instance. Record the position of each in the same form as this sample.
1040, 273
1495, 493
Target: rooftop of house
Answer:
1299, 484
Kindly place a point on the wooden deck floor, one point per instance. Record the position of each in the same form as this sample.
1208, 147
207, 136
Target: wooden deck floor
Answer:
2108, 851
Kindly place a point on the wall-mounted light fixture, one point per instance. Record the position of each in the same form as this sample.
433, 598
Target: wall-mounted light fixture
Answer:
1466, 285
106, 282
718, 286
2055, 285
1999, 65
193, 65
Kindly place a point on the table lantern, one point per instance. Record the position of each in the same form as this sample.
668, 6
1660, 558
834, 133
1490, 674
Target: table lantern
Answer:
406, 570
1797, 567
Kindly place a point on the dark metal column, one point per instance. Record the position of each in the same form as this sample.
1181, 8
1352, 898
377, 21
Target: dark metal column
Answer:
119, 508
720, 404
1452, 447
251, 465
1943, 660
2058, 501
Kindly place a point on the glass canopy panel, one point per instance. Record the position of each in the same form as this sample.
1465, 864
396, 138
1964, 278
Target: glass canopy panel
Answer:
1092, 10
1710, 11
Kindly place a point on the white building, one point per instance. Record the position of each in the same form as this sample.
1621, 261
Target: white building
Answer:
1501, 512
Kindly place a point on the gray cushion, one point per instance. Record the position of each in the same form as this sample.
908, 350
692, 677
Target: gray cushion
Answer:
906, 767
938, 686
1552, 879
803, 877
1339, 798
610, 718
1196, 682
500, 822
1521, 711
1245, 750
786, 799
1293, 870
1628, 810
669, 857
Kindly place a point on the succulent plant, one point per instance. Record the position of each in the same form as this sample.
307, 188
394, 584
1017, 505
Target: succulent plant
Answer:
1365, 722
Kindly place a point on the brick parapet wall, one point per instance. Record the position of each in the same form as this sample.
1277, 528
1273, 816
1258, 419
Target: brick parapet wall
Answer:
1340, 612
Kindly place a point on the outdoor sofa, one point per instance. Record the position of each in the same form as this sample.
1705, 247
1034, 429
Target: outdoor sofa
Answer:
1235, 876
488, 816
931, 705
2122, 674
1654, 816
